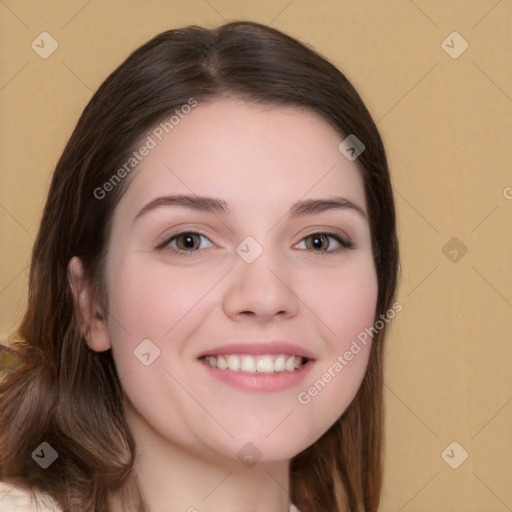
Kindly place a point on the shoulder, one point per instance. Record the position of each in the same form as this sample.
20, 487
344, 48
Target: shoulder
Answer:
16, 499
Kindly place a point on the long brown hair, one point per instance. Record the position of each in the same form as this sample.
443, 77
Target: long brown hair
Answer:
70, 396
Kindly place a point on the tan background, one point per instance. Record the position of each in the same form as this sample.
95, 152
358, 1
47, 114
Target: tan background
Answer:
446, 123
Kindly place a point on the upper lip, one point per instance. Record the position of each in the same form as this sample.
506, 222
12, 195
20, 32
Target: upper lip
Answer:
273, 347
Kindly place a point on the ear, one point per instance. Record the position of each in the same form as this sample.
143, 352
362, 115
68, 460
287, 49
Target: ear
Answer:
90, 318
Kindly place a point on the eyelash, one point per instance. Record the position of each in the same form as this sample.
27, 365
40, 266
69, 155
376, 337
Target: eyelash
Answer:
345, 244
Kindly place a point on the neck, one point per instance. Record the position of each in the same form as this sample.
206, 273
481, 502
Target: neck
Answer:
193, 478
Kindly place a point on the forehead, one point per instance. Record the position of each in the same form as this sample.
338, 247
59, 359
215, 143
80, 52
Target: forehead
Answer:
247, 154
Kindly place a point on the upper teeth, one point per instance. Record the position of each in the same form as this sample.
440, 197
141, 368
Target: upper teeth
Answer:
255, 364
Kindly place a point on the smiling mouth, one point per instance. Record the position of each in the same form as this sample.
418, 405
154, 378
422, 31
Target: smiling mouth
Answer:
264, 363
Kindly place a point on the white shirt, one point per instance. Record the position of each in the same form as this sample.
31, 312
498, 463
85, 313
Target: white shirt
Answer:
14, 499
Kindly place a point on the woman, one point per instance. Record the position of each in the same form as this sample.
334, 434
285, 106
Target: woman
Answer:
209, 291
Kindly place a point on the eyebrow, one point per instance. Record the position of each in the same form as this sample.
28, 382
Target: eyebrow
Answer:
218, 206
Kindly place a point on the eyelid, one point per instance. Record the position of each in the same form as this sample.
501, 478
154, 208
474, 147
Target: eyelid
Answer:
343, 240
180, 229
170, 237
319, 230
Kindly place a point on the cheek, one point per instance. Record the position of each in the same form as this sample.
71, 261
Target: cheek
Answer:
151, 298
352, 316
345, 301
347, 312
356, 310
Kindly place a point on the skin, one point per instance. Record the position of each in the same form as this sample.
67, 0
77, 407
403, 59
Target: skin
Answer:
187, 425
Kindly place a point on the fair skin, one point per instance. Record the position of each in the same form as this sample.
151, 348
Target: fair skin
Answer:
189, 426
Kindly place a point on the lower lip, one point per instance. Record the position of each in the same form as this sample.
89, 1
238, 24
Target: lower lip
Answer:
265, 382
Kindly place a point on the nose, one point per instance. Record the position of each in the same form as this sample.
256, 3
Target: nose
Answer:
262, 290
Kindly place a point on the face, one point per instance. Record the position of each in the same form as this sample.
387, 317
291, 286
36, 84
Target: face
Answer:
248, 274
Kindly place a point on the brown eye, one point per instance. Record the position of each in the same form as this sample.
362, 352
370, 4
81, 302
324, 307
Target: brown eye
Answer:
323, 243
318, 242
186, 243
